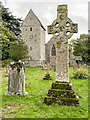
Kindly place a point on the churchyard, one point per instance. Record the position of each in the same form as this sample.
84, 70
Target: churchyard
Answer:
39, 92
32, 106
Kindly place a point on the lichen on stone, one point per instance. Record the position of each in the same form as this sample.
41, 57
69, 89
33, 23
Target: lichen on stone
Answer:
58, 44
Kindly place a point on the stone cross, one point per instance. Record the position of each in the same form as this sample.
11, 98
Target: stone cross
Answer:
48, 67
62, 28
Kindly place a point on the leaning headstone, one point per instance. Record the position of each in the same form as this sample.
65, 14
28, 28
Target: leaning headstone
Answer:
75, 66
7, 71
62, 91
85, 66
71, 59
16, 80
47, 76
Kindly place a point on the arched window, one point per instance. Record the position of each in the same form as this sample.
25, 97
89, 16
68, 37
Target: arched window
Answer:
53, 52
30, 28
30, 48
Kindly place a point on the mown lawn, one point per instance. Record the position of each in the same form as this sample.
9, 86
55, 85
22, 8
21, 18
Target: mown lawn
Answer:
32, 106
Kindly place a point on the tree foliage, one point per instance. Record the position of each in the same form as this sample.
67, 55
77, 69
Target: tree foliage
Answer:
19, 51
11, 21
12, 45
80, 47
7, 38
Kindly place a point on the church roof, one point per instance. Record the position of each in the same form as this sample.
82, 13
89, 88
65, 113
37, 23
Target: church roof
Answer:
31, 12
51, 41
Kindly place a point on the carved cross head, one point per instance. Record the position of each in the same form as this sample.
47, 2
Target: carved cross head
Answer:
62, 26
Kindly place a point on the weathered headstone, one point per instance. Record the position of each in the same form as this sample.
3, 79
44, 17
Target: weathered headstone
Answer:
16, 80
7, 71
71, 59
85, 66
62, 91
75, 66
47, 76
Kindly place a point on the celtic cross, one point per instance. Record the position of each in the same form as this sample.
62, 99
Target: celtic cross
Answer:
62, 28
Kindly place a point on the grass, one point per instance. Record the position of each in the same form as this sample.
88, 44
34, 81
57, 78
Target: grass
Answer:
32, 106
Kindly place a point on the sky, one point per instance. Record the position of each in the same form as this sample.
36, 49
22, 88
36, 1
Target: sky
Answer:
47, 12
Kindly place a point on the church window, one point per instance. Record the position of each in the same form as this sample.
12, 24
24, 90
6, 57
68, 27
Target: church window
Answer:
30, 28
53, 52
30, 48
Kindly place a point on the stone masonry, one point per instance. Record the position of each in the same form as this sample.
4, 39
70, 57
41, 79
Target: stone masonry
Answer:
49, 56
33, 34
62, 91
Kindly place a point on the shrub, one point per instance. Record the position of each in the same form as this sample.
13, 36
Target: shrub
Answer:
81, 74
6, 62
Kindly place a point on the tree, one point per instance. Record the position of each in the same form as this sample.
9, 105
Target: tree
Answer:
80, 47
11, 21
7, 38
10, 31
19, 51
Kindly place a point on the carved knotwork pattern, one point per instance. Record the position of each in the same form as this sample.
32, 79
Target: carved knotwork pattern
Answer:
56, 28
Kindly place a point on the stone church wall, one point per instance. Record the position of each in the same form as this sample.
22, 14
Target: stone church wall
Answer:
33, 33
48, 51
42, 52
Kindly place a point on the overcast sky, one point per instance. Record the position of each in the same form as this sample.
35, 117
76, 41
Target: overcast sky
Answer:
47, 12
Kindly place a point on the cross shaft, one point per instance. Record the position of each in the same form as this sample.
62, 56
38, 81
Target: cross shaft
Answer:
62, 28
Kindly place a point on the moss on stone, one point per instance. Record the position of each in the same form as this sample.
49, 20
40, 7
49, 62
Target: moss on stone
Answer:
63, 51
47, 77
62, 86
61, 101
59, 44
59, 90
16, 64
62, 93
66, 43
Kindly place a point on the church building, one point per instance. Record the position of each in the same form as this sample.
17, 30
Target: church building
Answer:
33, 34
50, 51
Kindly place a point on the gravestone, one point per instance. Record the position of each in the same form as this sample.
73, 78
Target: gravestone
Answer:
16, 79
7, 71
85, 66
62, 91
47, 76
75, 66
71, 59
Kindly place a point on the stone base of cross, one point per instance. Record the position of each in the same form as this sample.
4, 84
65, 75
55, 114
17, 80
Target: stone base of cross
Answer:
62, 91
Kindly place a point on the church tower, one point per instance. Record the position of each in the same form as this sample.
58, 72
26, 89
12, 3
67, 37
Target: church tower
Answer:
33, 34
